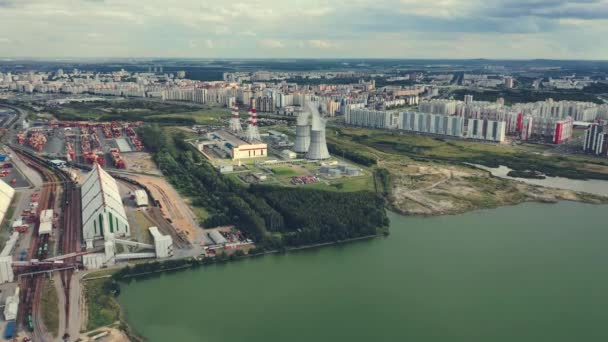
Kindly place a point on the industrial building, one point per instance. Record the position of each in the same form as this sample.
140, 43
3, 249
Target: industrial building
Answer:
103, 212
11, 306
46, 222
162, 248
6, 259
163, 244
596, 140
6, 196
141, 198
221, 143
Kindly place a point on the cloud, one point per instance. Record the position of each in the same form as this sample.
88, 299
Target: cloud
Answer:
271, 43
320, 44
305, 28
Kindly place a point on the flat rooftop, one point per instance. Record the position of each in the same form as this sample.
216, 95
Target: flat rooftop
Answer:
230, 138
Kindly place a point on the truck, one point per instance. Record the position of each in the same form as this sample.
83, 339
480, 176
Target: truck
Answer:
9, 331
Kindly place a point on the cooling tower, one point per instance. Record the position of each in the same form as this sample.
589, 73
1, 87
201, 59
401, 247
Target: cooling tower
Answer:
302, 134
318, 146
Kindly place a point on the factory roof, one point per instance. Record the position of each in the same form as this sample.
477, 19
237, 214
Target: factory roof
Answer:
45, 228
100, 190
230, 138
10, 245
46, 215
6, 196
217, 237
141, 198
156, 235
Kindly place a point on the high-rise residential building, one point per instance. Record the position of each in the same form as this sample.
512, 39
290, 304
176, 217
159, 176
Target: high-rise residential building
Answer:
596, 140
372, 118
509, 82
468, 99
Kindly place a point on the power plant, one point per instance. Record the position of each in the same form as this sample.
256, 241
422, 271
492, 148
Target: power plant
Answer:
302, 133
252, 134
318, 146
235, 121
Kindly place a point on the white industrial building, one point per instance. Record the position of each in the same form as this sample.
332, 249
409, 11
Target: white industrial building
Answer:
141, 198
46, 222
6, 260
6, 196
163, 244
11, 306
103, 212
162, 248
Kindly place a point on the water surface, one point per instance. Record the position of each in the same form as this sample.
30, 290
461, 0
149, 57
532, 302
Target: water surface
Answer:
533, 272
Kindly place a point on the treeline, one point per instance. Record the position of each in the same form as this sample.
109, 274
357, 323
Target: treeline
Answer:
274, 217
351, 155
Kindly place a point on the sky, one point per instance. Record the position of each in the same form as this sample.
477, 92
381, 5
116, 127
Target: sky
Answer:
510, 29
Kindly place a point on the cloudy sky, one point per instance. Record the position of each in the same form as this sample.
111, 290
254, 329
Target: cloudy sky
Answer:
563, 29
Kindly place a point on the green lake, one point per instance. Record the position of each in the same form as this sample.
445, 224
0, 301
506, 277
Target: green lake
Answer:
533, 272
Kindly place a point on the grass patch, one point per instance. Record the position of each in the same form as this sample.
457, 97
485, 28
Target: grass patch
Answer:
427, 148
49, 306
201, 213
102, 307
284, 171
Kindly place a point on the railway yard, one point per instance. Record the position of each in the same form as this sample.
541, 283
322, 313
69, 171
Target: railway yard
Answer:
47, 165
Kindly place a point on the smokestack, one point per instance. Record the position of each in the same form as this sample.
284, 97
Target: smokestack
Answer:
235, 121
318, 146
302, 133
253, 134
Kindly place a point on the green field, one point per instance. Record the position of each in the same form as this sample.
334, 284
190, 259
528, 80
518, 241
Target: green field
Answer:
102, 307
386, 145
49, 306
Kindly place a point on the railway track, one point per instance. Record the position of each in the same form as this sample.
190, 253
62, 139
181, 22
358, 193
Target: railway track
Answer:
69, 240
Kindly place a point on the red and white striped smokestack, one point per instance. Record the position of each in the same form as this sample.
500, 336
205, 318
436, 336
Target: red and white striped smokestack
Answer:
253, 117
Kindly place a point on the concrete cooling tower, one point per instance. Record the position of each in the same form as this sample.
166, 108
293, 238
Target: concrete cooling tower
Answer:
302, 134
318, 146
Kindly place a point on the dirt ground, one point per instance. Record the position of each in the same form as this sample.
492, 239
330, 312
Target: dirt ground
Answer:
140, 162
115, 335
173, 206
435, 189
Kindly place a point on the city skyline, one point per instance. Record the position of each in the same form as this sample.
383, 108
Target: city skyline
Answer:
495, 29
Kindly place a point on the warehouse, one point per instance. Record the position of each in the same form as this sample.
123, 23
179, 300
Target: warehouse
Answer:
102, 208
163, 244
6, 196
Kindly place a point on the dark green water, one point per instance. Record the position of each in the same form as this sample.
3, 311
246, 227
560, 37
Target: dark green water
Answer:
533, 272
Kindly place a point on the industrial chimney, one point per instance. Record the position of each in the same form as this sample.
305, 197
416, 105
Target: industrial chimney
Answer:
253, 134
235, 121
